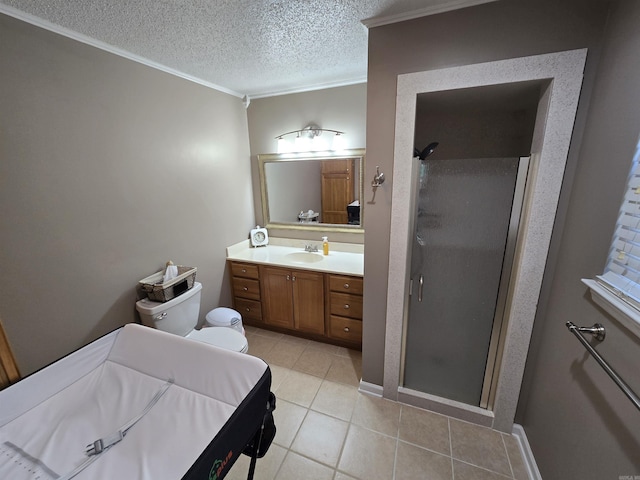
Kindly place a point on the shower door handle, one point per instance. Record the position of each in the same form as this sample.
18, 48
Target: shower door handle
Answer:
420, 285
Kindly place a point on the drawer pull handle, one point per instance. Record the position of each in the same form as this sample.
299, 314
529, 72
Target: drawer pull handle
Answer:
346, 285
346, 306
346, 329
244, 270
246, 289
247, 309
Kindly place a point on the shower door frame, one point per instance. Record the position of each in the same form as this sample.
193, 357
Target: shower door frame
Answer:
560, 76
498, 330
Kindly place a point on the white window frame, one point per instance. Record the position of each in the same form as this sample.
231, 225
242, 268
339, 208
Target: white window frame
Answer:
617, 290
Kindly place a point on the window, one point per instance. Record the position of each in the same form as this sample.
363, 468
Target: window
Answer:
619, 285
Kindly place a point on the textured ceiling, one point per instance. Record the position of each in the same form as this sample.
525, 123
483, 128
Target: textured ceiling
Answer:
245, 47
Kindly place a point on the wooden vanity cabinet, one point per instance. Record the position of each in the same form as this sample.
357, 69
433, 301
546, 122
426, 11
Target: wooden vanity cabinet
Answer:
345, 308
293, 299
322, 306
245, 281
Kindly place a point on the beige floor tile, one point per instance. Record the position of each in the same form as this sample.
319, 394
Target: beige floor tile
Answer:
259, 346
479, 446
296, 467
377, 414
335, 399
295, 340
367, 454
346, 370
464, 471
299, 388
346, 352
343, 476
266, 467
518, 467
263, 333
288, 417
414, 462
425, 429
320, 437
314, 362
325, 347
278, 375
284, 354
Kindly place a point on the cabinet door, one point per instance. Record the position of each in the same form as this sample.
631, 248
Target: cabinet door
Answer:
277, 296
337, 190
308, 301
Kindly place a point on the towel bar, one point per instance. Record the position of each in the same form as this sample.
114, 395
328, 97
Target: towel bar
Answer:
598, 332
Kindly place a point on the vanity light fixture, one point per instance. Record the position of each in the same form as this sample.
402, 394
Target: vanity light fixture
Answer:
310, 139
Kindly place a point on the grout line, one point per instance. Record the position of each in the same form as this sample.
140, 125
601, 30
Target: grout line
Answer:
420, 447
395, 460
507, 453
502, 475
453, 472
344, 443
286, 454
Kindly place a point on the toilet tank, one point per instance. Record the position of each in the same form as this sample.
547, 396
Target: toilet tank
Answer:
178, 316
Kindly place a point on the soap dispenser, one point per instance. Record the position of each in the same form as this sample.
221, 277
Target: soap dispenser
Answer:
325, 245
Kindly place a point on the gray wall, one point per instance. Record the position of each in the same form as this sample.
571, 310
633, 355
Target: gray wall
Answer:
489, 32
578, 423
108, 169
340, 108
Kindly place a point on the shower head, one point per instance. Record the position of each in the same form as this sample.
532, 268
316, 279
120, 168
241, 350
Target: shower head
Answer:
428, 150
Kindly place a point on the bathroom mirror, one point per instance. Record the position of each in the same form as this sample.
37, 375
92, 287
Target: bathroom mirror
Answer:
313, 191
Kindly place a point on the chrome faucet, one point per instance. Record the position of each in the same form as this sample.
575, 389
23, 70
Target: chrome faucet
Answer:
310, 248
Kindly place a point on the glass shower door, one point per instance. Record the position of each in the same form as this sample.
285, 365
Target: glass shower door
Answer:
463, 215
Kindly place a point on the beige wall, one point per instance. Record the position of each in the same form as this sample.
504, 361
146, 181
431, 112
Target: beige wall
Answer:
108, 168
340, 108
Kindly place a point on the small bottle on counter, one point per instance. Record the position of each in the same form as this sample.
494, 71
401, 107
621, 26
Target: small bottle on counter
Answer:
325, 245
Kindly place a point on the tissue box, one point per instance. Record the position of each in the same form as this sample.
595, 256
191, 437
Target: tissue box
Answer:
163, 292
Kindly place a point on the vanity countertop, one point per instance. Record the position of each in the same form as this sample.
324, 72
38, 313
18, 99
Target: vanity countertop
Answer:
343, 258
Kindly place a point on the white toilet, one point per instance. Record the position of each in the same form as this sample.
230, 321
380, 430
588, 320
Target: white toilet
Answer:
180, 317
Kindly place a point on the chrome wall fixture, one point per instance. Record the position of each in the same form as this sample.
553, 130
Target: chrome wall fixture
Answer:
378, 178
598, 332
310, 139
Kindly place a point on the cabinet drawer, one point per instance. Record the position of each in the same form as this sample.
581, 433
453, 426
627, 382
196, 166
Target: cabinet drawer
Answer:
246, 270
346, 305
246, 288
341, 283
345, 329
249, 309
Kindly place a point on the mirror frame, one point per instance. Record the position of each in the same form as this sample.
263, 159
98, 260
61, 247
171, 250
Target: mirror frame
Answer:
356, 153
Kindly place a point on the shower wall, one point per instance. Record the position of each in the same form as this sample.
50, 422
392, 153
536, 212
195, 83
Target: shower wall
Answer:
486, 124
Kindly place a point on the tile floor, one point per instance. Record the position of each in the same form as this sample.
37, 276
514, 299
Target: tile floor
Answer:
327, 430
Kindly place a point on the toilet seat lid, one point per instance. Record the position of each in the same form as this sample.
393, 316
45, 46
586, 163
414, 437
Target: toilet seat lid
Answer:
222, 337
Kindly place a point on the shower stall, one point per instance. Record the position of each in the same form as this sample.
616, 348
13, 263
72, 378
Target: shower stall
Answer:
465, 222
470, 364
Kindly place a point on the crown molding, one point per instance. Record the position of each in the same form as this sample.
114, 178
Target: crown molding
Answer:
65, 32
422, 12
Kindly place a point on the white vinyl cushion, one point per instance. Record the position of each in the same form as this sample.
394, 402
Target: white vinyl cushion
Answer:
163, 444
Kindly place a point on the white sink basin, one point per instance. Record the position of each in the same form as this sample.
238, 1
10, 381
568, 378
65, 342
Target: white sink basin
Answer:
304, 257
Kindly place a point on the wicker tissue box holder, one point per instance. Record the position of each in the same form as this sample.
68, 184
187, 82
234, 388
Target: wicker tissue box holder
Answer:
157, 291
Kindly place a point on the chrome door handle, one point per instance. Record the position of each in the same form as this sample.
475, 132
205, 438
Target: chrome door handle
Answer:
420, 287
